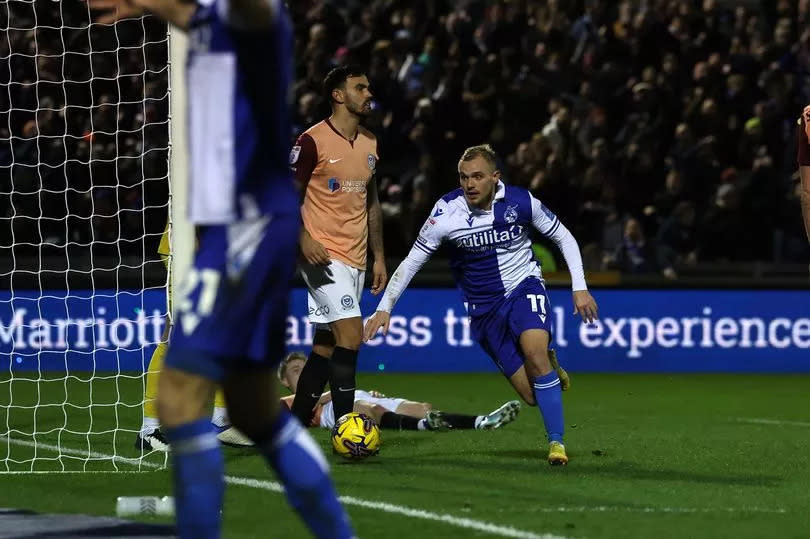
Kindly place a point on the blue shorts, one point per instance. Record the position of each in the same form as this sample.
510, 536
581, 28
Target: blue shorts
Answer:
233, 304
498, 329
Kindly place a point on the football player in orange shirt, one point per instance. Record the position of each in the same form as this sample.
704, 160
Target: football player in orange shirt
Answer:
335, 162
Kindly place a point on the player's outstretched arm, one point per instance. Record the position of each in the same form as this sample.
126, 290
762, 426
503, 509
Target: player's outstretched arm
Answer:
430, 238
550, 226
396, 286
176, 12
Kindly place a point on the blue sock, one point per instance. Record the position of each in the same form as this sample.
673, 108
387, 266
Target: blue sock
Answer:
548, 394
199, 482
304, 472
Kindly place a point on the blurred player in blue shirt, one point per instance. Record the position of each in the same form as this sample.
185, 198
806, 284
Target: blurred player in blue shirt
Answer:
231, 314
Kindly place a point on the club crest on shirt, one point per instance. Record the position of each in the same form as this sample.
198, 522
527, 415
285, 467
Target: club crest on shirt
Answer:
294, 153
347, 302
372, 162
510, 214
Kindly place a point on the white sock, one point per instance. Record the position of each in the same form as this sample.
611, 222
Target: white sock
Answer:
478, 420
149, 425
220, 416
422, 425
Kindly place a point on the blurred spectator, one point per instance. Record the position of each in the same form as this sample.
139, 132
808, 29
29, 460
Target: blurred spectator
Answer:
677, 240
612, 112
634, 254
84, 144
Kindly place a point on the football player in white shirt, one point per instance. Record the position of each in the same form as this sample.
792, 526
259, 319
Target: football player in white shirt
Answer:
485, 224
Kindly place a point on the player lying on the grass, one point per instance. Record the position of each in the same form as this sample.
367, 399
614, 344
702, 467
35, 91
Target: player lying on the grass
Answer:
389, 412
486, 225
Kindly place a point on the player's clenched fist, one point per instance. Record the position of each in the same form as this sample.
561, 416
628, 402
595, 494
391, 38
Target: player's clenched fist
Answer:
585, 305
314, 252
381, 319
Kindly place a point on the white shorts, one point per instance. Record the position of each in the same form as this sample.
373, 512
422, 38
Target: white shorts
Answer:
334, 292
328, 412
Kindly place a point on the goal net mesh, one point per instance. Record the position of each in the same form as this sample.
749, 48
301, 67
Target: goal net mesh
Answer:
84, 200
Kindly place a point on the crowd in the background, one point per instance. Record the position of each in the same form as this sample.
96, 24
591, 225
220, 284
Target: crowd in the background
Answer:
83, 133
662, 132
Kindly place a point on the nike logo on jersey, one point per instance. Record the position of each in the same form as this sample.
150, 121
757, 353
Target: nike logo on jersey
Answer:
333, 161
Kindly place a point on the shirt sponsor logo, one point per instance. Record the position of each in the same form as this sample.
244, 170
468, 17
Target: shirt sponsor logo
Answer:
321, 310
490, 239
347, 186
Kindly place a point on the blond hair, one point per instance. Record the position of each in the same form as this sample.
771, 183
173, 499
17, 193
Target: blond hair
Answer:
482, 150
292, 356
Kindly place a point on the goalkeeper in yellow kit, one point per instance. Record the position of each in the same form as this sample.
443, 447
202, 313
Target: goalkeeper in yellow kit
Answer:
150, 438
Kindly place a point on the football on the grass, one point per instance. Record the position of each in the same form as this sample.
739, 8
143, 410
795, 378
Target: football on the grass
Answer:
356, 436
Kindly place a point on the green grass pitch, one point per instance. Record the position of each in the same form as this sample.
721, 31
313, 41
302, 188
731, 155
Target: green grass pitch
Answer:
651, 456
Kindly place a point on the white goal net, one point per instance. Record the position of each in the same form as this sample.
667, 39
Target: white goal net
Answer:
84, 200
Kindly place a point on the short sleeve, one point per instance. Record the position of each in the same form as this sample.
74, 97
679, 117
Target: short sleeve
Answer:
431, 234
303, 158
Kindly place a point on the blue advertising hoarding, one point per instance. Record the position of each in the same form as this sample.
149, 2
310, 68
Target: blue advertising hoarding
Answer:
639, 331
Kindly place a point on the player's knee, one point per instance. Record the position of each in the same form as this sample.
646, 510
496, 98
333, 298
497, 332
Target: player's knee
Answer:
323, 350
537, 363
377, 410
174, 409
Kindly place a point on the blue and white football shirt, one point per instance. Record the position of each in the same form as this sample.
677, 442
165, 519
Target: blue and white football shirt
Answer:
490, 250
237, 83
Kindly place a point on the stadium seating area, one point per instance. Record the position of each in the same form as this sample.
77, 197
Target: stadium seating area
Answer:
661, 131
643, 124
83, 133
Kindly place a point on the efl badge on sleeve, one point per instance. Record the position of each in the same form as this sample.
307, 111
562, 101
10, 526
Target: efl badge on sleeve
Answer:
296, 150
372, 162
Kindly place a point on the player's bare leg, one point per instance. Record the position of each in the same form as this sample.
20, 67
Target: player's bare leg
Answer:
414, 409
348, 333
523, 387
182, 397
314, 375
547, 391
254, 409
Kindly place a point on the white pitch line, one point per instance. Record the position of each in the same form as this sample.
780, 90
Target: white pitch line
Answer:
470, 524
762, 421
82, 453
651, 509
